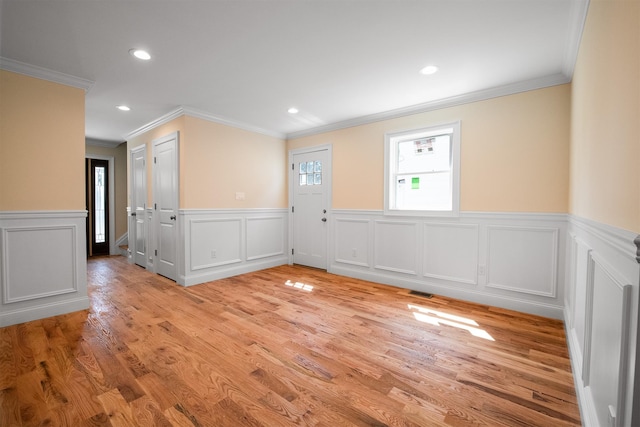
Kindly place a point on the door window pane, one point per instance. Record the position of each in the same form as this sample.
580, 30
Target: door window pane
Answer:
310, 173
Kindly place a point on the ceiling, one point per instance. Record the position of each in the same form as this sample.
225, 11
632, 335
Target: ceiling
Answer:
246, 62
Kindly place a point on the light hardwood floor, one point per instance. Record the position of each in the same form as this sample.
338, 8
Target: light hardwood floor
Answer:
262, 349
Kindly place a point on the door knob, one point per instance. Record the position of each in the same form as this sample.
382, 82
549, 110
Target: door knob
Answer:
324, 219
173, 217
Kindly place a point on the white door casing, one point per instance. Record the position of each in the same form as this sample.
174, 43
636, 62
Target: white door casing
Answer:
165, 195
310, 200
138, 164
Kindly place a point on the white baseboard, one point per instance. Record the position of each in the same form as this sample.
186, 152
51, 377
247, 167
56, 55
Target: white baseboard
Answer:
222, 273
43, 310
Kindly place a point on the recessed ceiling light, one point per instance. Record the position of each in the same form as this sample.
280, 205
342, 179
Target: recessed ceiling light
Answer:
140, 54
428, 70
123, 108
292, 110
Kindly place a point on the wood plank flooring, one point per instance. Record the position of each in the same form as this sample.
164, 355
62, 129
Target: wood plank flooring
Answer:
286, 346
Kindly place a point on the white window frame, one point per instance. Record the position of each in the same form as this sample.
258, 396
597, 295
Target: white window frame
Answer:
390, 141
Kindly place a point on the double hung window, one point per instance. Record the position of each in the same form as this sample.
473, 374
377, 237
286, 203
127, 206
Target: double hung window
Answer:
422, 171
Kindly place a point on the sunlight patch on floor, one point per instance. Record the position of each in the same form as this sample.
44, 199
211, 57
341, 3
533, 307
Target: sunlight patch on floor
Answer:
299, 285
437, 318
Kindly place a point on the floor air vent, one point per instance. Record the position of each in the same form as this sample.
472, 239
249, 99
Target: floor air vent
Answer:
421, 294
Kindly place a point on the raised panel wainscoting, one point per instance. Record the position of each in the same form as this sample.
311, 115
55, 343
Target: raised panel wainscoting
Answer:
225, 242
601, 318
509, 260
42, 264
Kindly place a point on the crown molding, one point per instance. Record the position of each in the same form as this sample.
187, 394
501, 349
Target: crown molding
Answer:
178, 112
192, 112
467, 98
44, 74
577, 20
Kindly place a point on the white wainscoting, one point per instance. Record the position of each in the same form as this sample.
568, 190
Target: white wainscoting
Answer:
523, 259
514, 261
43, 264
224, 242
601, 317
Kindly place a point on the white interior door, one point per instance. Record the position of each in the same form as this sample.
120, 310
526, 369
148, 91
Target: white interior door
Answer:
310, 181
165, 191
138, 202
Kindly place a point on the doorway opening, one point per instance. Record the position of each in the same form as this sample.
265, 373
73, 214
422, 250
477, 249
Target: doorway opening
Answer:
97, 199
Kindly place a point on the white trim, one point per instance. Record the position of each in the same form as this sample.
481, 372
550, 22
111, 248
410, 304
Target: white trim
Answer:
42, 214
45, 74
124, 239
230, 211
192, 112
577, 19
174, 114
199, 114
616, 238
112, 182
467, 98
42, 311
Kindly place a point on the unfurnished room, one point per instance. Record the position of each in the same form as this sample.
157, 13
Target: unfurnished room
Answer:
320, 213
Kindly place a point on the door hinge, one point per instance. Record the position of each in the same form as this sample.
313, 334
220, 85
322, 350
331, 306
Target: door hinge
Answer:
156, 252
292, 209
155, 160
291, 251
155, 206
293, 166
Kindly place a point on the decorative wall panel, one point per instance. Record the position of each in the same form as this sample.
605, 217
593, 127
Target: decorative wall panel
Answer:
451, 252
523, 259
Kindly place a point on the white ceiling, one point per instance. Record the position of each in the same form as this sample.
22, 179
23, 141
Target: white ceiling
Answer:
245, 62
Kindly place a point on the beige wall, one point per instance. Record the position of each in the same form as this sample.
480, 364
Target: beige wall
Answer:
41, 145
221, 160
119, 155
216, 161
514, 153
605, 126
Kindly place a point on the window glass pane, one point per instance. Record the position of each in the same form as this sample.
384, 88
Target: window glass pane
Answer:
317, 167
430, 191
309, 167
303, 167
309, 179
425, 154
303, 179
317, 179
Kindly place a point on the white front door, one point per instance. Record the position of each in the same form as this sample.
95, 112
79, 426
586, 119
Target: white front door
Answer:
165, 194
138, 204
310, 182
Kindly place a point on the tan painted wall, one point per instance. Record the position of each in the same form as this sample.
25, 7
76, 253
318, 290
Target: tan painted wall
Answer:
221, 161
514, 154
216, 161
605, 126
41, 145
119, 155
